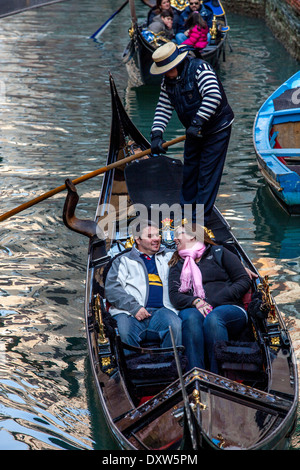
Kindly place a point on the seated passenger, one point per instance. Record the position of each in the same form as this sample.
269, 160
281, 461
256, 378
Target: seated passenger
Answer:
196, 32
160, 6
194, 5
206, 283
162, 24
136, 287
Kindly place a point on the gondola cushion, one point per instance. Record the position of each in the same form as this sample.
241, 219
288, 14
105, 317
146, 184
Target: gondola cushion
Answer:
159, 366
238, 352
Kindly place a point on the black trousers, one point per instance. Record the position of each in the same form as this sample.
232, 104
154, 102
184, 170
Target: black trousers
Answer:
202, 171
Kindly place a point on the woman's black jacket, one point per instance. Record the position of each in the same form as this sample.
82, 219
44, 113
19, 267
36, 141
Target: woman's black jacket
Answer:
224, 279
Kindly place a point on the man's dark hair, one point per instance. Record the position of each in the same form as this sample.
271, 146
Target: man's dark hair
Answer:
137, 230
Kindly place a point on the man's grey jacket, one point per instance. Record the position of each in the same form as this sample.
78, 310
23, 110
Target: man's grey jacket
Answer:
127, 285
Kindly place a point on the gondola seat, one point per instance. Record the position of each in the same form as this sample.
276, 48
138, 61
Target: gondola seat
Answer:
243, 360
240, 361
148, 370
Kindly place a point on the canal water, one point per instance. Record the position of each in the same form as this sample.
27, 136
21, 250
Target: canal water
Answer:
55, 123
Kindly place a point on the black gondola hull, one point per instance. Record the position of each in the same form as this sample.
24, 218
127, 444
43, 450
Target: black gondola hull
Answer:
226, 414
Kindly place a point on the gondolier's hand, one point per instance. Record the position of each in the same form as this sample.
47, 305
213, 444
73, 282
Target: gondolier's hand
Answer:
156, 143
195, 129
142, 314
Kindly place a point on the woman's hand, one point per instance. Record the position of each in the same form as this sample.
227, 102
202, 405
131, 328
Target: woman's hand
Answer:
203, 307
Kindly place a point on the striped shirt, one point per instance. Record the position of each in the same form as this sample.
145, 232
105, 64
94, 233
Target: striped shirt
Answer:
155, 299
209, 90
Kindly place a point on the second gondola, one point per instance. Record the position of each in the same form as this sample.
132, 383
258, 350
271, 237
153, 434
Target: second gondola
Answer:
137, 55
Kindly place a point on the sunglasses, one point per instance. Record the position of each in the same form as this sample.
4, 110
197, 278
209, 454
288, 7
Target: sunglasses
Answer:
194, 3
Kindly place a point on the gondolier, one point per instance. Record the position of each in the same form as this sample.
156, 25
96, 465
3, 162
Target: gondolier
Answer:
191, 87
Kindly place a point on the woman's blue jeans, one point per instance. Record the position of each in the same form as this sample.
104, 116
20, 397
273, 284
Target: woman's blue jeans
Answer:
200, 334
156, 327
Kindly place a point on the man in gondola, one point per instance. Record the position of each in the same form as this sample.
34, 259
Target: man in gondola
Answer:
192, 88
136, 288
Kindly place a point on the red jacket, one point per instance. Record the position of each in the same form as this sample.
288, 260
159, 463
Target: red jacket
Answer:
197, 37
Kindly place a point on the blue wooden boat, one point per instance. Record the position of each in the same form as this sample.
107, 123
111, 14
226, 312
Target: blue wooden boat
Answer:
276, 137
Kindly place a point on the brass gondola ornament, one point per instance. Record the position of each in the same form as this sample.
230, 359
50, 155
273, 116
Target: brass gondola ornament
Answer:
129, 243
197, 402
213, 30
98, 315
267, 300
158, 39
180, 5
131, 31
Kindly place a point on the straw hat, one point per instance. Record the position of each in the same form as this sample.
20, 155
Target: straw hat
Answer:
166, 57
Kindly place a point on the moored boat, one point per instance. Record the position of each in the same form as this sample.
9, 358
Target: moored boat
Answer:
149, 404
276, 136
137, 55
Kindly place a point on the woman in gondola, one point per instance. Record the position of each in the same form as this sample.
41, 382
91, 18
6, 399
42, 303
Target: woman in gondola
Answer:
207, 283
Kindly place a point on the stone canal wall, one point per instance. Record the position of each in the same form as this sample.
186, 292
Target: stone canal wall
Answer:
281, 16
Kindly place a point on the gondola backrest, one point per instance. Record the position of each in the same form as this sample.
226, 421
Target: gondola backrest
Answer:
162, 175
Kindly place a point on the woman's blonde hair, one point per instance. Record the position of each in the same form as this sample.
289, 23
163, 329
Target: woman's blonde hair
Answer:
196, 231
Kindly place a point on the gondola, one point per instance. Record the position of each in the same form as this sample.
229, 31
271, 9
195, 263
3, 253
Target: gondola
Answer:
137, 55
276, 140
149, 399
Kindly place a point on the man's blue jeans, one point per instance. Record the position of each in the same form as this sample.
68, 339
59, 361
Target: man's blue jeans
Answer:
156, 327
200, 334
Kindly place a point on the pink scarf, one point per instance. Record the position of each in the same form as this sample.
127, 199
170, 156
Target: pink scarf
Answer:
191, 275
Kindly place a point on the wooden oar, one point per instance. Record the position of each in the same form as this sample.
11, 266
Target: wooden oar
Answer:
83, 178
100, 30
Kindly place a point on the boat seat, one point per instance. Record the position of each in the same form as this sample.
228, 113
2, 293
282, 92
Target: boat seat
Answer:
281, 152
240, 361
285, 101
148, 370
295, 168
